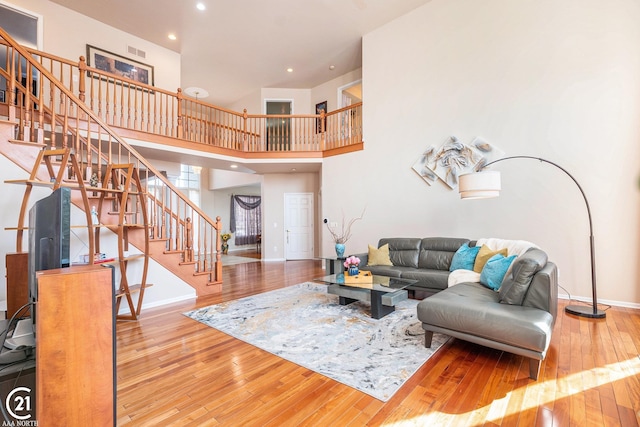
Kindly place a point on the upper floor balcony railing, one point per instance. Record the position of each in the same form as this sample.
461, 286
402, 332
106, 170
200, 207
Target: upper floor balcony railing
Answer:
140, 108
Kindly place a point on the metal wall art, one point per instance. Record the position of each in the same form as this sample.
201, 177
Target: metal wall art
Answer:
453, 159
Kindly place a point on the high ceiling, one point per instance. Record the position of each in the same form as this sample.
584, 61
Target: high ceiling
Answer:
235, 47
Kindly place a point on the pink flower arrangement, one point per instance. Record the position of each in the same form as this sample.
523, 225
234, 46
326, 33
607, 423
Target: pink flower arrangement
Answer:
352, 260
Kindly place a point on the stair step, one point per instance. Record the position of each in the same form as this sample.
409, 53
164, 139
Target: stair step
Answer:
118, 213
38, 183
28, 143
132, 290
158, 239
187, 262
202, 273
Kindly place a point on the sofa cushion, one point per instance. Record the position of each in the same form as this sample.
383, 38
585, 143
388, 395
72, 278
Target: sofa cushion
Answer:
483, 256
378, 256
433, 279
515, 286
384, 270
473, 309
436, 253
494, 271
403, 251
464, 258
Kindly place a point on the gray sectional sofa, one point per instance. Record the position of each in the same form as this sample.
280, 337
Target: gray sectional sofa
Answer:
518, 318
426, 260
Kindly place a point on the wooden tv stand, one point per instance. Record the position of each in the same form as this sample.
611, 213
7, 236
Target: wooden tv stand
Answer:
75, 347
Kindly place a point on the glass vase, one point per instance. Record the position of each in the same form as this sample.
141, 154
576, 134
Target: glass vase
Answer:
340, 250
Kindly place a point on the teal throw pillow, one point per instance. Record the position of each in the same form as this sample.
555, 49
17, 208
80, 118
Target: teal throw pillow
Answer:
464, 258
494, 270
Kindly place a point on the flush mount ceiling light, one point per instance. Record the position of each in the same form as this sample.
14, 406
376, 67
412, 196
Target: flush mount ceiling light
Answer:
172, 37
201, 6
289, 70
196, 92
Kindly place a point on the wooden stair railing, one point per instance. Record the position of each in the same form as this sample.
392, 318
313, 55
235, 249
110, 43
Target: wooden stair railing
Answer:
52, 115
63, 160
122, 195
145, 112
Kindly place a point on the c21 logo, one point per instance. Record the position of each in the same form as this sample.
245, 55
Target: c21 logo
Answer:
18, 403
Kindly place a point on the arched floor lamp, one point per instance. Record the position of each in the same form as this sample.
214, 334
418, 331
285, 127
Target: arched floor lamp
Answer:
486, 184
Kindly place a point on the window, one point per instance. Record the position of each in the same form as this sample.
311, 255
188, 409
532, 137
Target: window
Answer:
246, 219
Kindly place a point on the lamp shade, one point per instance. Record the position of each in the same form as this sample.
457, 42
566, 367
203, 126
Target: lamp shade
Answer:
479, 185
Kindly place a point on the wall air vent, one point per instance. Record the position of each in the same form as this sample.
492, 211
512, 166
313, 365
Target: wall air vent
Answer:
135, 51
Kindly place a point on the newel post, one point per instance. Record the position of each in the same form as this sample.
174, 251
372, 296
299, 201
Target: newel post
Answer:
82, 68
188, 254
245, 135
11, 87
218, 249
179, 128
323, 130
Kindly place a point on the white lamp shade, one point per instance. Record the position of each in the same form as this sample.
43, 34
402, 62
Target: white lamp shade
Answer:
479, 185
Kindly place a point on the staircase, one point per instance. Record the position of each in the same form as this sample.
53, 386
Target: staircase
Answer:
47, 116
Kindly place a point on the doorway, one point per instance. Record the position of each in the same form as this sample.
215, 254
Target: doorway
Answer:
350, 94
298, 225
278, 128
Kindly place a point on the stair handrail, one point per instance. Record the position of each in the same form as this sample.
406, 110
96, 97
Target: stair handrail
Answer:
97, 120
216, 225
191, 119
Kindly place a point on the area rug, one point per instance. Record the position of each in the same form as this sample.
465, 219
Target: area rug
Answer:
307, 326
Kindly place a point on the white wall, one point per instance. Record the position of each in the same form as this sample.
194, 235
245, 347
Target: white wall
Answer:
301, 99
273, 190
304, 100
67, 33
329, 91
219, 179
559, 80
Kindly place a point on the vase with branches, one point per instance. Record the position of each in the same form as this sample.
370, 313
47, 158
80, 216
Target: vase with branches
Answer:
343, 234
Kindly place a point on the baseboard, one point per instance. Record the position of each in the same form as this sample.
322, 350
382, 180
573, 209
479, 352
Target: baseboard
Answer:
160, 303
601, 301
273, 259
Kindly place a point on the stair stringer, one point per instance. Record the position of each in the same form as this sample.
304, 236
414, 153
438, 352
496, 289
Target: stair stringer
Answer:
24, 155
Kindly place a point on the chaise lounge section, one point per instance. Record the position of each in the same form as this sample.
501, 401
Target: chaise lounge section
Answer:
518, 318
516, 314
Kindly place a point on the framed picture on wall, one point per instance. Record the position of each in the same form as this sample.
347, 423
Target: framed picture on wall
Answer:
119, 65
321, 124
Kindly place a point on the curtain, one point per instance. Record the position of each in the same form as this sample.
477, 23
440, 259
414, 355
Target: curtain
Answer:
246, 219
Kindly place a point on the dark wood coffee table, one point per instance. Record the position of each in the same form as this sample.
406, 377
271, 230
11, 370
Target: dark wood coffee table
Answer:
383, 294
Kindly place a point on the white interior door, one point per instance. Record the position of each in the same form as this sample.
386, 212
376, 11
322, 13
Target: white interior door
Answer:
298, 217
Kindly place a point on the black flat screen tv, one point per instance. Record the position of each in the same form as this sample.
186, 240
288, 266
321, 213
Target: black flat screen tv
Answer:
49, 236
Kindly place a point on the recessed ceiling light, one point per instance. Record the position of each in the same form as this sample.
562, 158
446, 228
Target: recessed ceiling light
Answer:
233, 166
332, 67
172, 37
289, 70
201, 6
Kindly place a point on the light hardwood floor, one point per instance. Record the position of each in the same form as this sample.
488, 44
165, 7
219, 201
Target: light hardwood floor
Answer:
175, 371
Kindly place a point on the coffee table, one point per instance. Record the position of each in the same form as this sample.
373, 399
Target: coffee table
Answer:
383, 294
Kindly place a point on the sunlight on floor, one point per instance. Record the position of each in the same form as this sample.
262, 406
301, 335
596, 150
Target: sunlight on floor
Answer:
548, 391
